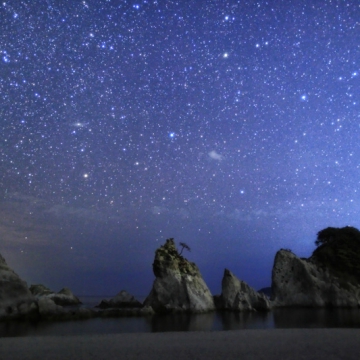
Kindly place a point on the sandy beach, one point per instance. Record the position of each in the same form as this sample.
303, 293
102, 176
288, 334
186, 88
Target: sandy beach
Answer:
246, 344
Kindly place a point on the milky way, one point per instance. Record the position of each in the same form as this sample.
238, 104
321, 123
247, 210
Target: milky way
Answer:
230, 125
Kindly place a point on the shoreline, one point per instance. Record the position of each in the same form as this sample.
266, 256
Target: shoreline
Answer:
267, 344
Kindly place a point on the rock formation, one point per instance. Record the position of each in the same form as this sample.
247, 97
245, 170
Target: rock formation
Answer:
15, 298
122, 300
237, 295
179, 286
64, 297
49, 310
306, 282
17, 301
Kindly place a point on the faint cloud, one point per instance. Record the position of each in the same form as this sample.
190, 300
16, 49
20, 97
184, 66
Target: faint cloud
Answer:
243, 215
157, 210
216, 156
240, 215
21, 221
183, 213
81, 213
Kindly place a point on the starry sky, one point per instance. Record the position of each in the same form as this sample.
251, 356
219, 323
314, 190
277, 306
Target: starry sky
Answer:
232, 126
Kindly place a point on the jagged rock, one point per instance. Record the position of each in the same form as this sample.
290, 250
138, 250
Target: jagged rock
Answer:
122, 300
15, 298
303, 282
47, 307
179, 286
49, 310
40, 290
147, 310
237, 295
64, 297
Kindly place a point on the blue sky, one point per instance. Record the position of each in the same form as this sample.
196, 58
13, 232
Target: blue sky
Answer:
232, 126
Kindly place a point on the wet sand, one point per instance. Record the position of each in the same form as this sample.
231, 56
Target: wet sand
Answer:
276, 344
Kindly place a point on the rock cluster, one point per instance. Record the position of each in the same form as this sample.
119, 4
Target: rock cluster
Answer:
237, 295
17, 301
122, 300
49, 310
330, 277
179, 286
64, 297
15, 298
302, 282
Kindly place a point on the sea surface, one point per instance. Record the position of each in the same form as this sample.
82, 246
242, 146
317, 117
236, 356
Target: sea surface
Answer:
216, 321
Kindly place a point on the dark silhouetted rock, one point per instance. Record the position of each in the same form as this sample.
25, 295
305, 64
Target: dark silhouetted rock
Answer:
64, 297
49, 310
179, 286
47, 307
305, 282
122, 300
237, 295
266, 291
40, 290
15, 298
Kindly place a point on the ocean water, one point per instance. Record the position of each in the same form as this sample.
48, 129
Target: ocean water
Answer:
216, 321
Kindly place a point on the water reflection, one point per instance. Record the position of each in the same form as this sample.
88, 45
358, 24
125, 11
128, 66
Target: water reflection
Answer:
217, 321
316, 318
245, 320
182, 322
79, 327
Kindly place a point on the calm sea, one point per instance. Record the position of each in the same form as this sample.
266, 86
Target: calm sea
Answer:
279, 318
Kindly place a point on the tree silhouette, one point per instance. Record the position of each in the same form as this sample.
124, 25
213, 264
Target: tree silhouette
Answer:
326, 235
184, 246
330, 234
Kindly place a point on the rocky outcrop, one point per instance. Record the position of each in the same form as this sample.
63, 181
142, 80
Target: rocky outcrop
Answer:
64, 297
49, 310
18, 302
122, 300
237, 295
15, 298
179, 286
303, 282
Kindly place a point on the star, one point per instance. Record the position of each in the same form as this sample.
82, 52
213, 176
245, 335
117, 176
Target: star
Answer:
213, 115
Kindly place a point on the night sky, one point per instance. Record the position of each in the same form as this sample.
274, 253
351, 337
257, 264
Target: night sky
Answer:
232, 126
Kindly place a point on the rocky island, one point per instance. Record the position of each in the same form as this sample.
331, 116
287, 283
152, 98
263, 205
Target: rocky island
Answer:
179, 286
330, 277
237, 295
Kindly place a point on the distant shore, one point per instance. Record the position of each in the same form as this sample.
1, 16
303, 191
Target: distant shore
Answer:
329, 344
